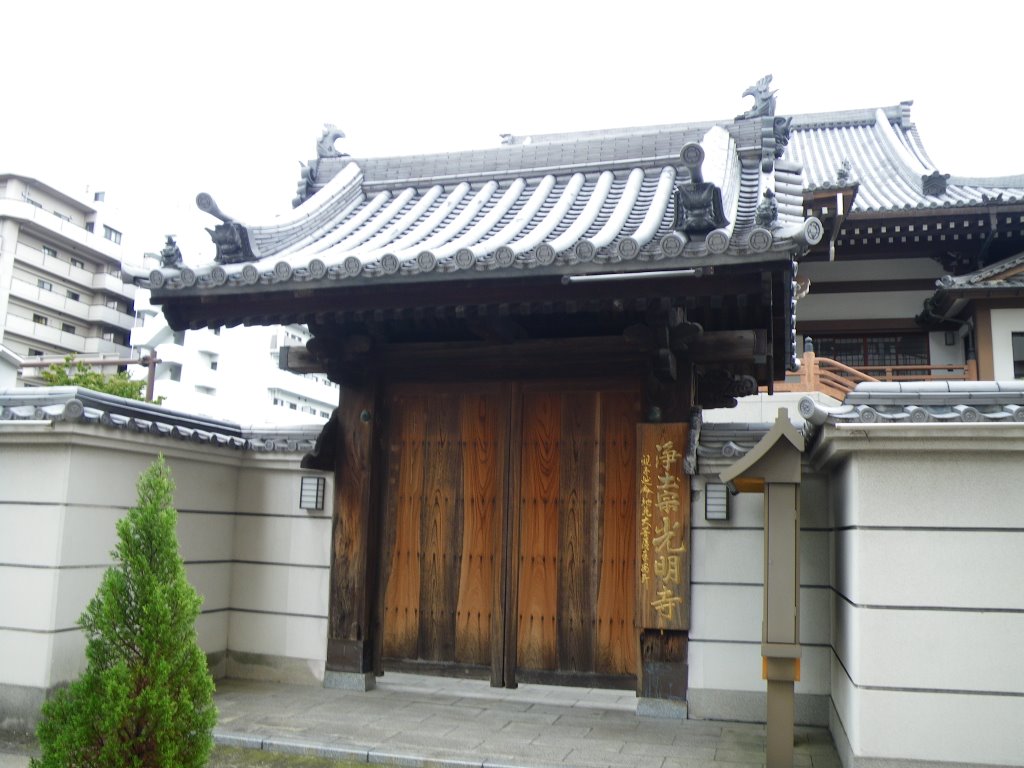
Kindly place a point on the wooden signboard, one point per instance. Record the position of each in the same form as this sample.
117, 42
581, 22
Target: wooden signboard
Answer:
663, 520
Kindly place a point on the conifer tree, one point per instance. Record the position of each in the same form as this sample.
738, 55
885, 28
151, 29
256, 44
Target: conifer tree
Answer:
146, 696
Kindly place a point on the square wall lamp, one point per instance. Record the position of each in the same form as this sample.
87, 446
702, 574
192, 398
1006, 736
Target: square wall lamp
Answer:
311, 493
716, 501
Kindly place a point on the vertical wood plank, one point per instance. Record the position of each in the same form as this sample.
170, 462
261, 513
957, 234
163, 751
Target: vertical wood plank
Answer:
402, 528
617, 639
349, 646
506, 656
481, 472
578, 515
538, 546
440, 529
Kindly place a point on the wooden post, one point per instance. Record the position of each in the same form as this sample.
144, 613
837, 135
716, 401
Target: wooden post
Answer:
350, 624
772, 467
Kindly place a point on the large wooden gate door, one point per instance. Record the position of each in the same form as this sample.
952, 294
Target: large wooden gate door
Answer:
441, 575
507, 540
576, 523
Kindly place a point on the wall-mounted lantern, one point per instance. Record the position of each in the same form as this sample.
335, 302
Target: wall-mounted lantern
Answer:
311, 493
716, 501
773, 468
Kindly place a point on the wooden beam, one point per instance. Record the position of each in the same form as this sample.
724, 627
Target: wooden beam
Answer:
350, 640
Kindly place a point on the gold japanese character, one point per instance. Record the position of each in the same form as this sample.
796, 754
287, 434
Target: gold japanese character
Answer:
666, 603
665, 533
667, 455
667, 567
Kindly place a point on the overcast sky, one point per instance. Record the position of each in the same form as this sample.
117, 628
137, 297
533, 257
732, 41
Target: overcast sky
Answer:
153, 103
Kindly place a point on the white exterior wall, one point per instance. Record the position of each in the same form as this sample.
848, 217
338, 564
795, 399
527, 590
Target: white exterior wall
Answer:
259, 562
727, 592
1005, 322
928, 610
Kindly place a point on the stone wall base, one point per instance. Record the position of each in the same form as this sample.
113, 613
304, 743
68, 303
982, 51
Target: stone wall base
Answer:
20, 707
851, 760
273, 669
751, 706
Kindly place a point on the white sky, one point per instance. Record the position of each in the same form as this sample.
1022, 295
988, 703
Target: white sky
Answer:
154, 103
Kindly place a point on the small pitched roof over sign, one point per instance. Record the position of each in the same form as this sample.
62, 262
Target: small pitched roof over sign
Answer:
775, 458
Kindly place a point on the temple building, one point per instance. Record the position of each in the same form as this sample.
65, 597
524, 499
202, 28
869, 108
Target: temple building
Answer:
540, 348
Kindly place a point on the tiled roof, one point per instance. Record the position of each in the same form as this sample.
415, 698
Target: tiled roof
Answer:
561, 203
919, 402
887, 162
1007, 273
74, 404
607, 199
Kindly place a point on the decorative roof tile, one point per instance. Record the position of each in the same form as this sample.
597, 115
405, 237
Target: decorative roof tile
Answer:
920, 402
74, 404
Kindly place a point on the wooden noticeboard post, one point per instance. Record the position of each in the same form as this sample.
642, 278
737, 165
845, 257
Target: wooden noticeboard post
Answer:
773, 468
663, 536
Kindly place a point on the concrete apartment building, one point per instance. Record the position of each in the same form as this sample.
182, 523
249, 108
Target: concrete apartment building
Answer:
60, 266
230, 373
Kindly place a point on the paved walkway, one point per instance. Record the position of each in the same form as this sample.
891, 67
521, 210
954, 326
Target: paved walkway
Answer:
413, 720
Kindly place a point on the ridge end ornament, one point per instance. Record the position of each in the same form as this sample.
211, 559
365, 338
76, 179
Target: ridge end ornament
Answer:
230, 237
764, 99
699, 208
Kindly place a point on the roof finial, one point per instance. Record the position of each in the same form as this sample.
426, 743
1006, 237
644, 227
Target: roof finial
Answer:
764, 99
325, 146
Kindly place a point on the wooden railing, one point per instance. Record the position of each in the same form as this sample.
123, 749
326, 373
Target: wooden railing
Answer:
830, 377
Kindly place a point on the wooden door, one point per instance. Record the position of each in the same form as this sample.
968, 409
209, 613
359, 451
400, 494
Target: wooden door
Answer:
441, 575
507, 544
575, 597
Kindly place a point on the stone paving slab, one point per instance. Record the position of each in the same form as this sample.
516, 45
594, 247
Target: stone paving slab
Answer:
413, 720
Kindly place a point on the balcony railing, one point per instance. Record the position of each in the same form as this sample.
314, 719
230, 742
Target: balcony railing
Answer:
830, 377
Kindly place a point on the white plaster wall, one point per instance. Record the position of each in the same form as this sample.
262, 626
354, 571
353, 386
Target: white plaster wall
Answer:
928, 612
727, 578
280, 581
259, 562
865, 306
1005, 322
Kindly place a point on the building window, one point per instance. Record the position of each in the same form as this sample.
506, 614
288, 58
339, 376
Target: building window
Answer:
1018, 355
874, 352
74, 295
46, 285
179, 338
35, 352
77, 263
213, 365
67, 328
48, 251
90, 226
174, 372
62, 216
40, 319
112, 234
33, 202
205, 390
293, 406
98, 197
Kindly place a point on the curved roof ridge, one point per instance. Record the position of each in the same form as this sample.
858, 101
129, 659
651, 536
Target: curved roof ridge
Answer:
909, 167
